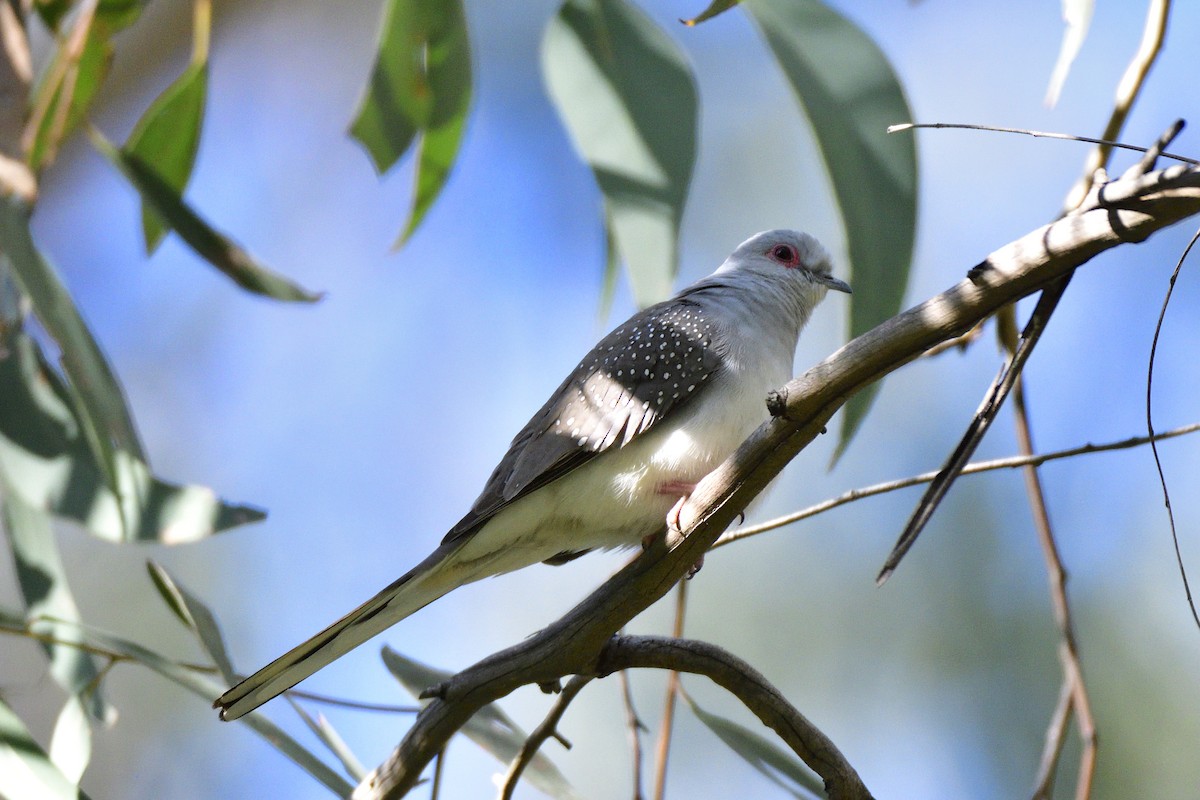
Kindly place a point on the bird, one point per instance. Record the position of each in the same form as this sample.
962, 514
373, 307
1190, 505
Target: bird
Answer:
650, 410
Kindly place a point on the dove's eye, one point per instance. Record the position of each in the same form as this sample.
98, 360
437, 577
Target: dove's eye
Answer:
784, 254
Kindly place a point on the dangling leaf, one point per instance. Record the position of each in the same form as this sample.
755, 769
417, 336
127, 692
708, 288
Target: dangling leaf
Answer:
196, 615
420, 84
44, 587
851, 94
212, 246
46, 462
627, 97
26, 773
168, 136
714, 8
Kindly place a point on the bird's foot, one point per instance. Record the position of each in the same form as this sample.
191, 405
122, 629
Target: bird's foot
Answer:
681, 489
691, 573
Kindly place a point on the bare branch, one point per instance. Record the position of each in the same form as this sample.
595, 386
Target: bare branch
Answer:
540, 734
663, 750
752, 689
1127, 210
635, 732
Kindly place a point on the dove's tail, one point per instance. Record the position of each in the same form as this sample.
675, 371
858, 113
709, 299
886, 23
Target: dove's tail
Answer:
416, 589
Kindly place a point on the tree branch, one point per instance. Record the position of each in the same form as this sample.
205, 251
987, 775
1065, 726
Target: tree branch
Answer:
752, 689
1126, 210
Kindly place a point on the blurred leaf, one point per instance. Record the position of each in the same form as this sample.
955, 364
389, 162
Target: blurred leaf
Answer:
25, 771
71, 742
628, 99
714, 8
420, 83
167, 137
103, 415
210, 245
47, 463
44, 587
332, 740
850, 94
207, 690
490, 728
780, 766
1077, 15
196, 615
72, 76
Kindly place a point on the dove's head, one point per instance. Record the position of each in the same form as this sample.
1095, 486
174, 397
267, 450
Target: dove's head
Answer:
788, 255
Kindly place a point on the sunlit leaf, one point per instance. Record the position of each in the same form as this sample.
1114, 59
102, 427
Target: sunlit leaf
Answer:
420, 85
71, 742
197, 616
1077, 16
628, 99
26, 773
851, 94
210, 245
207, 690
714, 8
490, 728
167, 137
47, 463
44, 587
779, 765
105, 420
332, 740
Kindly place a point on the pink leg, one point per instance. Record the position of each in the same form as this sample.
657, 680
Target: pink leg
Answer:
682, 489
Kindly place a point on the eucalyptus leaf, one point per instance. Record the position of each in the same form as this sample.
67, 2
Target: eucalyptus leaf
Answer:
46, 462
779, 765
490, 727
207, 689
851, 94
71, 742
197, 616
167, 138
420, 85
1077, 16
332, 740
209, 244
43, 583
628, 99
26, 772
714, 8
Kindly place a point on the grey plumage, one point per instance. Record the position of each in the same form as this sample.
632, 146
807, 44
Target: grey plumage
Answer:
651, 409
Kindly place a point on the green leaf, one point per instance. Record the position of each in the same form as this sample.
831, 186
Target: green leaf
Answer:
46, 461
26, 773
628, 99
851, 94
207, 690
332, 740
167, 137
490, 727
714, 8
71, 742
103, 414
420, 84
210, 245
780, 766
44, 587
197, 616
71, 78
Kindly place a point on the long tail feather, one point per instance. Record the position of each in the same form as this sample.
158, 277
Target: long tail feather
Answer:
416, 589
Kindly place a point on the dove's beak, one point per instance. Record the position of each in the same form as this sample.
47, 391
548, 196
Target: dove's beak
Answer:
833, 283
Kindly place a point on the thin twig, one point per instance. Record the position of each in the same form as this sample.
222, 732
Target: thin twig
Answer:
1038, 135
663, 748
635, 725
1162, 478
1056, 736
973, 468
112, 655
548, 729
354, 704
960, 343
435, 788
1068, 651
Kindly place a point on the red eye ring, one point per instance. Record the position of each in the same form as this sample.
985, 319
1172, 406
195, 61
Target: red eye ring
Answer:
784, 254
